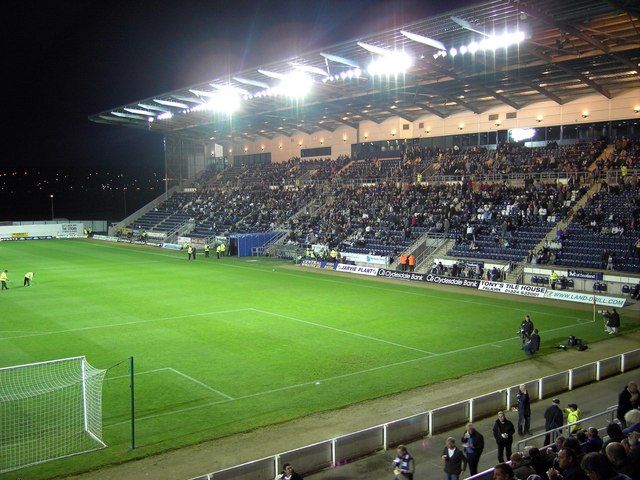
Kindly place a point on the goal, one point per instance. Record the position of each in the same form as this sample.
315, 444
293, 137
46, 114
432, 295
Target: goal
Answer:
49, 410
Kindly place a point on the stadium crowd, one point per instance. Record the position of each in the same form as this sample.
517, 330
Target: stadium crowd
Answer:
379, 206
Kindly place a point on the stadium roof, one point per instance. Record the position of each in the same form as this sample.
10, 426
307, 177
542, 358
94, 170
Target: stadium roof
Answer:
567, 49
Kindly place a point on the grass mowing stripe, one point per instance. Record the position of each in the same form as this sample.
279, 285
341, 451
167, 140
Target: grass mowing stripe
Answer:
388, 342
111, 325
337, 377
353, 282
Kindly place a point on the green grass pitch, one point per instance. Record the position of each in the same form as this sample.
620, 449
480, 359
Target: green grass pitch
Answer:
223, 346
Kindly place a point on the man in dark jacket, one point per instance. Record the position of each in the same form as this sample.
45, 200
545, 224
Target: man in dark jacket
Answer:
454, 460
524, 410
533, 345
503, 431
473, 443
552, 419
526, 329
627, 400
568, 467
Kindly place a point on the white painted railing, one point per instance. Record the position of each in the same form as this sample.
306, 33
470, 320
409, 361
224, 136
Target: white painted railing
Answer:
345, 448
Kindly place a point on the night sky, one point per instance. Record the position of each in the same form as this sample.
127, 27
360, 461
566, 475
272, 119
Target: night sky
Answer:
67, 60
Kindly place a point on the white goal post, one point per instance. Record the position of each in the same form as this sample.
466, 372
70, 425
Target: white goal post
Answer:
49, 410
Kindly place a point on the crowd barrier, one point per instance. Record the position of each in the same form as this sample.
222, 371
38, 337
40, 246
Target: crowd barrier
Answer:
345, 448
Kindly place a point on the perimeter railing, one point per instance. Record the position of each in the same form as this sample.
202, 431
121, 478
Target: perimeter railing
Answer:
345, 448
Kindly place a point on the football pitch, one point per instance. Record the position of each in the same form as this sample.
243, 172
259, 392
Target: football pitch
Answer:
224, 346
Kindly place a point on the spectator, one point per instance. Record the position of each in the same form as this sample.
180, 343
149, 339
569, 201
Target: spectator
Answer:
539, 462
597, 467
594, 443
473, 444
614, 434
627, 400
521, 469
567, 468
288, 473
503, 471
632, 419
503, 431
403, 464
621, 462
553, 419
524, 410
454, 460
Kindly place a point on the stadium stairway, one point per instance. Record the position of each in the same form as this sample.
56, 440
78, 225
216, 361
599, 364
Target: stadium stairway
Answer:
564, 223
145, 209
419, 248
424, 264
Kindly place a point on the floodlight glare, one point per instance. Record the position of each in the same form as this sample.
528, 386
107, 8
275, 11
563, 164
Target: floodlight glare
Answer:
165, 116
473, 47
453, 52
392, 64
296, 84
224, 100
519, 134
463, 49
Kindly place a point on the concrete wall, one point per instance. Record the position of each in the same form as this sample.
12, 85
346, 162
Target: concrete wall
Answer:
542, 114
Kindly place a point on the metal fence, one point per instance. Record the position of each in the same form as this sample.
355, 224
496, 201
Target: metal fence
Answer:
345, 448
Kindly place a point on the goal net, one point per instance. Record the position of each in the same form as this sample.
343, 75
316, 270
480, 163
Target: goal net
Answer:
49, 410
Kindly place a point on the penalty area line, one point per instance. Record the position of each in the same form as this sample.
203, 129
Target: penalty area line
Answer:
333, 378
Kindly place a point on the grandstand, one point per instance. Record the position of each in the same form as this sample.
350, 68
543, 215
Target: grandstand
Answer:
495, 144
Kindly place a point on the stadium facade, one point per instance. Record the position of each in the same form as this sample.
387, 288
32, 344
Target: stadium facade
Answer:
562, 71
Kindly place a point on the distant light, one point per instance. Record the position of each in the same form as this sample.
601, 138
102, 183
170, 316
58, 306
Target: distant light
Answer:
453, 52
295, 85
520, 134
150, 119
392, 64
463, 49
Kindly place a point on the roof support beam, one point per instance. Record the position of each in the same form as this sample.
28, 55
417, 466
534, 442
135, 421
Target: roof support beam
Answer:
474, 84
347, 122
402, 115
447, 98
570, 29
429, 109
550, 95
369, 117
569, 71
628, 9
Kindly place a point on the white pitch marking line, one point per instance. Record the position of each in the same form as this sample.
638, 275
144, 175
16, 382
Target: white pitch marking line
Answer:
228, 397
497, 346
342, 331
337, 377
110, 325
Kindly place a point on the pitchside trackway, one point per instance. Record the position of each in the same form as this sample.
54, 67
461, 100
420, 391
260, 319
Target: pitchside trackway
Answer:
222, 346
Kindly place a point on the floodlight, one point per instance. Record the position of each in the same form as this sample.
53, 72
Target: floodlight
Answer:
270, 74
169, 103
374, 49
463, 49
393, 64
424, 40
127, 115
139, 111
453, 52
146, 106
519, 134
337, 59
247, 81
225, 100
296, 84
165, 116
310, 69
473, 47
231, 87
